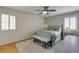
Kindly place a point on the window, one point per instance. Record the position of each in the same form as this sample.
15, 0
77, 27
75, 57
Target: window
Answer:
4, 22
73, 23
66, 22
8, 22
70, 23
12, 22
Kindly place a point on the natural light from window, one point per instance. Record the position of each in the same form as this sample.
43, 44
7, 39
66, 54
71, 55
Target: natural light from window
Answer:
70, 23
8, 22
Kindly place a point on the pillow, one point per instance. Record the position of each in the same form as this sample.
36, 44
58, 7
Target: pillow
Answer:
53, 28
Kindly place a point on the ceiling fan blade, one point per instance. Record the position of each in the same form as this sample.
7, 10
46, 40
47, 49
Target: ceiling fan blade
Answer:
46, 10
40, 13
39, 10
51, 10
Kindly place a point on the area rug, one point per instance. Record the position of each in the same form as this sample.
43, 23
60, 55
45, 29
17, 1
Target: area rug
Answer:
29, 46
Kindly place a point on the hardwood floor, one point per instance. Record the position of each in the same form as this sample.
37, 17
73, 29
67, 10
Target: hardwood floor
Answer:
70, 44
10, 48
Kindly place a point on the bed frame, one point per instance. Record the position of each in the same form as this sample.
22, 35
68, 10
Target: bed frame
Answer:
45, 44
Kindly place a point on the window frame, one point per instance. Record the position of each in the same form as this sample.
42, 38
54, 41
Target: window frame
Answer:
14, 24
70, 22
8, 23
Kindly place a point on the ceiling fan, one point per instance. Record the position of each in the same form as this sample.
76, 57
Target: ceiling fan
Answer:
46, 10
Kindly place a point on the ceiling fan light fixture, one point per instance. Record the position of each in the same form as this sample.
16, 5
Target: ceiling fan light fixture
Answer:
44, 12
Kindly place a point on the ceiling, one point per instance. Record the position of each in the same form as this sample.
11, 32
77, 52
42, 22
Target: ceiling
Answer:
32, 9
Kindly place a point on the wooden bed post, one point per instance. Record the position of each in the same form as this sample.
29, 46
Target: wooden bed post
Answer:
51, 41
62, 34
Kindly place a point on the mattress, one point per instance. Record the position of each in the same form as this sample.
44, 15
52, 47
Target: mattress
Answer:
56, 33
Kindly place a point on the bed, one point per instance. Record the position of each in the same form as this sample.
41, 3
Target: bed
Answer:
57, 30
51, 35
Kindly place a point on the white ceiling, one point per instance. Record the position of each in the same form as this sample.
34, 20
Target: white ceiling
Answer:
32, 9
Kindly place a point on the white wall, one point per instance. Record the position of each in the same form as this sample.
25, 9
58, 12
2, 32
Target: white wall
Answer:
26, 24
59, 19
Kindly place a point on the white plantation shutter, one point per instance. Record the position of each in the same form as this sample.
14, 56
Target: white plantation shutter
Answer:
70, 22
12, 23
4, 22
8, 22
73, 23
66, 22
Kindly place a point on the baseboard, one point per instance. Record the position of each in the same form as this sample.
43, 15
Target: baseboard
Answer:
16, 42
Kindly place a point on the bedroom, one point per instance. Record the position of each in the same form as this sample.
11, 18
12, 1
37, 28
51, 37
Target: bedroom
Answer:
27, 21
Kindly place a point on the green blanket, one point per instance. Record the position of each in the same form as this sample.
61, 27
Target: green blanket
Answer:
46, 34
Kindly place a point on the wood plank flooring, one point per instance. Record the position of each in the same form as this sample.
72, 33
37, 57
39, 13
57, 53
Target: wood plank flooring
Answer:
10, 48
70, 44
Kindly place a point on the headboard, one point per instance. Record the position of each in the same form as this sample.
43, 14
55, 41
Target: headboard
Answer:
54, 27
